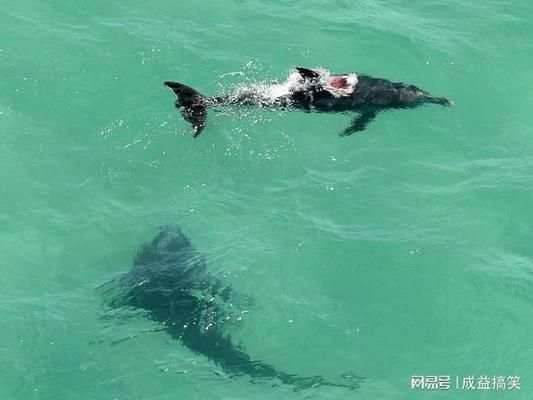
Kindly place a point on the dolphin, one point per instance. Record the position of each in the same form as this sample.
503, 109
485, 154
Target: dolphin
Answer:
170, 282
311, 90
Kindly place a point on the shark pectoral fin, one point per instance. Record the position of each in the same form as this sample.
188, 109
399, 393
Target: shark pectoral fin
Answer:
307, 73
359, 123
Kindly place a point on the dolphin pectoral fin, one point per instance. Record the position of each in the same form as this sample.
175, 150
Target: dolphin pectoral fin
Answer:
307, 73
359, 123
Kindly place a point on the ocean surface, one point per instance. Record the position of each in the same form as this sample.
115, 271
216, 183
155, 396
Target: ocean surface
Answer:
399, 252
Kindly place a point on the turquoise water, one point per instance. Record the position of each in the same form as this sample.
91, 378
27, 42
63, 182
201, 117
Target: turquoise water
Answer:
405, 250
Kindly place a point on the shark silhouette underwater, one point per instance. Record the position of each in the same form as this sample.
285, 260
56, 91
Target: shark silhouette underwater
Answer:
169, 281
311, 90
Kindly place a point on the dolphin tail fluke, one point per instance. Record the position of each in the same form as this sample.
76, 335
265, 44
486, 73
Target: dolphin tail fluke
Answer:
193, 105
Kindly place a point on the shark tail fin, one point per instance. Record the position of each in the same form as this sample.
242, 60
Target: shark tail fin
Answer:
193, 105
443, 101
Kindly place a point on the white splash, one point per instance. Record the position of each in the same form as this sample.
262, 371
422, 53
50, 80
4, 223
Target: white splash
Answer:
270, 93
325, 80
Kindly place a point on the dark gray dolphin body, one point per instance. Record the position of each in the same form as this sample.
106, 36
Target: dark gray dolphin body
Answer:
170, 282
367, 96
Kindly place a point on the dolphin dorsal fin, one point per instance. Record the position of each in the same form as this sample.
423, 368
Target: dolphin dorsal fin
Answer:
307, 73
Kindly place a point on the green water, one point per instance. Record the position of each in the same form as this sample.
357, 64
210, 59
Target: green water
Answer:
405, 250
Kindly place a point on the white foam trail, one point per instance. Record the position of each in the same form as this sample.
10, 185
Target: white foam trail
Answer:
270, 93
